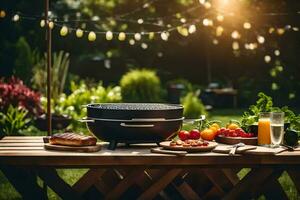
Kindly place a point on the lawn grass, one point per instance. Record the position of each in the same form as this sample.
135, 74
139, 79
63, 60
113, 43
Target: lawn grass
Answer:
72, 175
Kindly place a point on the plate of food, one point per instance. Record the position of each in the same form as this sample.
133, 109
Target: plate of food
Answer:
235, 136
190, 145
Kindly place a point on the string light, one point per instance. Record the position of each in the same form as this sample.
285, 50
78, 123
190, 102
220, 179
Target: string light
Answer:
183, 20
219, 31
260, 39
64, 31
215, 41
137, 36
131, 41
207, 5
235, 46
109, 35
42, 23
144, 46
277, 52
247, 25
140, 21
164, 35
79, 33
192, 29
92, 36
51, 25
16, 18
151, 35
280, 31
268, 59
207, 22
122, 36
183, 31
271, 30
220, 18
2, 14
202, 2
235, 35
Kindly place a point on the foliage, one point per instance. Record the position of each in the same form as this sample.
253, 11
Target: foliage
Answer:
193, 106
24, 60
60, 66
141, 85
81, 94
15, 93
14, 120
265, 104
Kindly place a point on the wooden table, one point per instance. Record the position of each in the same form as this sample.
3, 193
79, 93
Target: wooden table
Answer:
135, 173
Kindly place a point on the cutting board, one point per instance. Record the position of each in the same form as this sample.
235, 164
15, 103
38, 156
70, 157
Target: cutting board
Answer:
226, 149
87, 149
265, 151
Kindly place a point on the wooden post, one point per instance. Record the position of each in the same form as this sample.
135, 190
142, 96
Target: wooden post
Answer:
49, 56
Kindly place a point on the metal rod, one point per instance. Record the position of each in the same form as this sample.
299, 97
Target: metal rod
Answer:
49, 56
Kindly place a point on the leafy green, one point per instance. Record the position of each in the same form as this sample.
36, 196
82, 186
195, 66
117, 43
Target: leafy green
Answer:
265, 104
13, 121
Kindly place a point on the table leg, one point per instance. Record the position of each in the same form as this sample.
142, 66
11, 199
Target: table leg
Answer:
58, 185
24, 181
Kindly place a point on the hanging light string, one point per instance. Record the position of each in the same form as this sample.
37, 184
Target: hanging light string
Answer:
184, 26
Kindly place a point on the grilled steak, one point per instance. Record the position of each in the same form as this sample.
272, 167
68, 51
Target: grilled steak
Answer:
72, 139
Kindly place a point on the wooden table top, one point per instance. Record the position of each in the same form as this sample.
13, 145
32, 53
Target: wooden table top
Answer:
25, 150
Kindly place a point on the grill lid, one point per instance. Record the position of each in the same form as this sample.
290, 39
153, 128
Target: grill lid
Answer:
130, 111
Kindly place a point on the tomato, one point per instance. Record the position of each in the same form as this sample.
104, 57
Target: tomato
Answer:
183, 135
207, 134
194, 134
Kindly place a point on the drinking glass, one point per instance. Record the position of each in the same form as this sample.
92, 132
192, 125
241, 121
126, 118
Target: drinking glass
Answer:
264, 129
277, 128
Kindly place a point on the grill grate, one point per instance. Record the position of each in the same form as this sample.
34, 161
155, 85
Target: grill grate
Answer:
135, 106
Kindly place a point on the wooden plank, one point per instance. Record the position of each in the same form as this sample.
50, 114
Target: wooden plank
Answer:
23, 138
186, 191
254, 177
159, 185
58, 185
124, 184
272, 188
231, 175
20, 148
295, 176
88, 180
20, 141
219, 179
31, 144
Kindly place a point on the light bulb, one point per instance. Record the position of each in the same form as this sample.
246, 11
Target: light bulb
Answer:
192, 29
247, 25
51, 25
64, 31
164, 36
109, 35
16, 18
79, 33
260, 39
268, 58
2, 14
137, 36
42, 23
122, 36
151, 35
92, 36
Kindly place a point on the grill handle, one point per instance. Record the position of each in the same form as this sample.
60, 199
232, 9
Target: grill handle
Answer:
137, 125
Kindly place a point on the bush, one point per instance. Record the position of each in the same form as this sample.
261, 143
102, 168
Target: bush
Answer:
14, 120
141, 86
193, 106
15, 93
81, 94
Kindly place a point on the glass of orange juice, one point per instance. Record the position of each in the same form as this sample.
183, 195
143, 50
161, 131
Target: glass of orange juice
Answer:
264, 129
